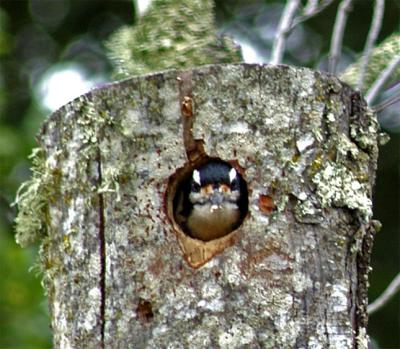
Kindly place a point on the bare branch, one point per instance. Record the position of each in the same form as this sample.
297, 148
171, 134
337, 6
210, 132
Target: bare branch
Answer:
390, 291
283, 30
310, 6
337, 36
380, 82
387, 102
311, 10
371, 39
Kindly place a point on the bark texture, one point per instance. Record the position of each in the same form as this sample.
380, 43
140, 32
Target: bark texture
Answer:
120, 274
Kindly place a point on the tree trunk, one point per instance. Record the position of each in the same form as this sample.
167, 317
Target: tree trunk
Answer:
121, 273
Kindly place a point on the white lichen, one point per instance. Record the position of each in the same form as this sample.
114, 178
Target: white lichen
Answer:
301, 281
304, 142
237, 336
338, 297
239, 127
199, 339
362, 338
110, 182
337, 186
365, 136
306, 208
91, 317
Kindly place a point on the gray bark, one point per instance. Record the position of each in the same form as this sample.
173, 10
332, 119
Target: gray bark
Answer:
121, 274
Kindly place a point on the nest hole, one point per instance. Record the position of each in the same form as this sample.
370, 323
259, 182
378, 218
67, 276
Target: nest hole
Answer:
179, 184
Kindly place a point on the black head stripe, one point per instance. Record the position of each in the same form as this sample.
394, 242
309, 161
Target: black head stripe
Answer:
215, 172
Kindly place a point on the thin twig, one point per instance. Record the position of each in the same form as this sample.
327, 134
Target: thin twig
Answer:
371, 39
386, 103
310, 11
382, 79
337, 36
283, 30
390, 291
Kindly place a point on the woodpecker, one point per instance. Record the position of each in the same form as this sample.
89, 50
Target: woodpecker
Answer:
212, 201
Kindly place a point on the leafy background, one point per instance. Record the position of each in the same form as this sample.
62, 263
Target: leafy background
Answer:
47, 46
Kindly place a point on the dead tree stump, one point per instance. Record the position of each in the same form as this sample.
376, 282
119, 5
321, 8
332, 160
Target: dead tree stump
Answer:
119, 271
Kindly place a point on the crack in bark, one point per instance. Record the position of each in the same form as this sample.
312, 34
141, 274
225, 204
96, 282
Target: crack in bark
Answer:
363, 261
326, 328
348, 268
194, 147
322, 278
102, 254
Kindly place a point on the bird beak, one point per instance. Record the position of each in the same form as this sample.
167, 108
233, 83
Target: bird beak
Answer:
216, 200
214, 208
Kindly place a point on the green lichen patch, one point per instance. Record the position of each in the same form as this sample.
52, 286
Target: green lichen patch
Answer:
113, 177
33, 199
364, 130
342, 172
91, 120
44, 187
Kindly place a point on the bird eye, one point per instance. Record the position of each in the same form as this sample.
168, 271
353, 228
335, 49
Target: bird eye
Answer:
235, 185
206, 190
195, 187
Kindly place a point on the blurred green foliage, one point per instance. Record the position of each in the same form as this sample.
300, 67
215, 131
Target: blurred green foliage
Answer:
39, 35
147, 47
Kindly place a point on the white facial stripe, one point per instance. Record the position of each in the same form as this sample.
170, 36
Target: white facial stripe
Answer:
196, 177
232, 174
